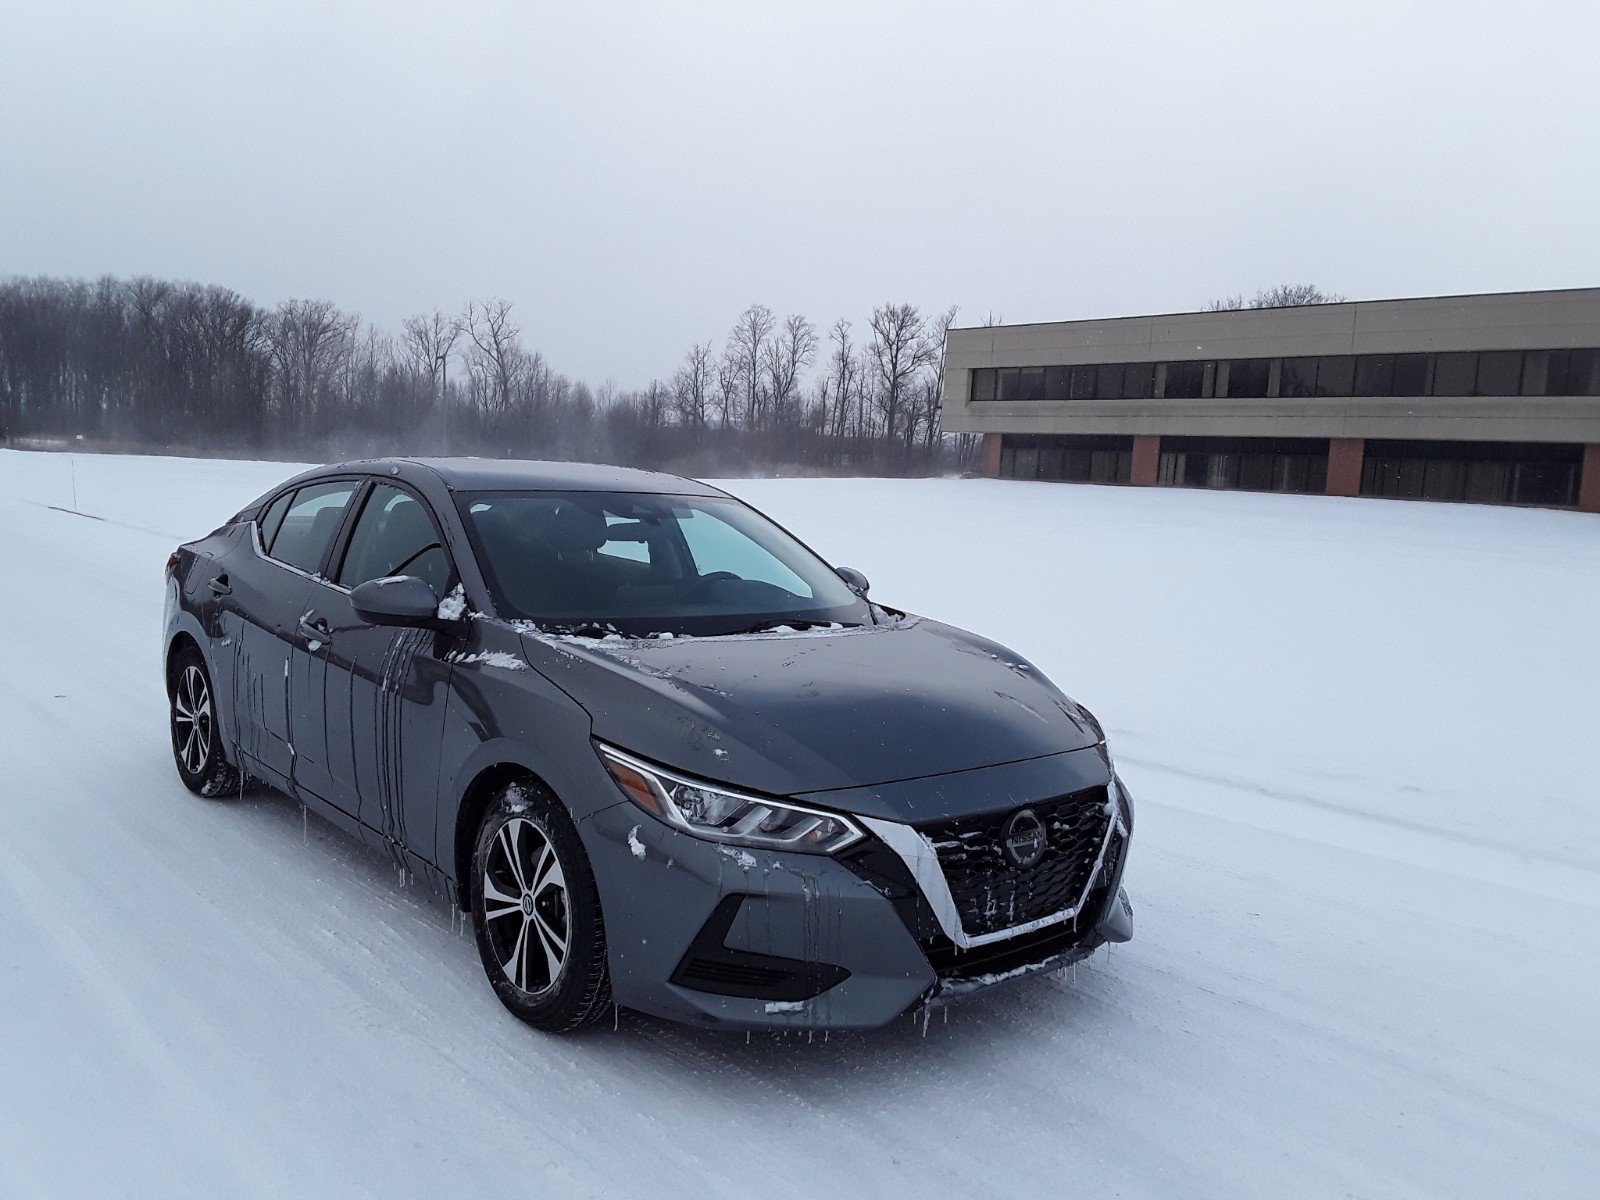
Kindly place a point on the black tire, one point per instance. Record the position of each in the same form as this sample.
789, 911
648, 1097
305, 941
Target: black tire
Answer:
552, 986
196, 740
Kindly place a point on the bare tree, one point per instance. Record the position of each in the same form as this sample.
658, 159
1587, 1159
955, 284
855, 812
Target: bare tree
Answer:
307, 340
495, 359
785, 356
930, 387
1284, 295
900, 349
156, 362
746, 344
842, 371
692, 386
728, 388
426, 342
654, 403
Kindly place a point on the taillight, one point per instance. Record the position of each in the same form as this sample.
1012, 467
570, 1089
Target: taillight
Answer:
172, 563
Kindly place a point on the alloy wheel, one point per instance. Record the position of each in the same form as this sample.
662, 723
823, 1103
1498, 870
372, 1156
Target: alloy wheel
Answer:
192, 719
525, 910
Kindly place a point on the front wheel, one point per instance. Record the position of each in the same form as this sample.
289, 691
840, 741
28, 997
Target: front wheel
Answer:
536, 912
196, 743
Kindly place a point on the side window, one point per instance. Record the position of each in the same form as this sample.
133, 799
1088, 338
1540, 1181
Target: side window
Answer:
309, 524
717, 546
394, 536
269, 521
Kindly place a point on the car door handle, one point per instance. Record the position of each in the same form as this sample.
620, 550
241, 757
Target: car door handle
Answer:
220, 585
315, 628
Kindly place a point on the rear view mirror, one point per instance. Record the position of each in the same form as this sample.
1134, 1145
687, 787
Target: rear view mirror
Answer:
397, 600
854, 579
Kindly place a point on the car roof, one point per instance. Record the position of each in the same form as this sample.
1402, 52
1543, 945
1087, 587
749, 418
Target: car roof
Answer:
509, 474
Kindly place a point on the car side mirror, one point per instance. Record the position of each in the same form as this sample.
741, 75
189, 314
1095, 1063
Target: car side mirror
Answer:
854, 580
398, 600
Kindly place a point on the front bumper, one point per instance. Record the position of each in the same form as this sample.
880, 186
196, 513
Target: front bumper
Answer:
733, 938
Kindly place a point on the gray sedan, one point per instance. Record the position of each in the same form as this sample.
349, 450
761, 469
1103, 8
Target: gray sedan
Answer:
663, 754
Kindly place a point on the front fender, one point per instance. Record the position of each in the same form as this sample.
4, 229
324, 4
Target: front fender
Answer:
500, 713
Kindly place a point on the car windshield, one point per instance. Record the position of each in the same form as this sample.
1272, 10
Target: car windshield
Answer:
644, 563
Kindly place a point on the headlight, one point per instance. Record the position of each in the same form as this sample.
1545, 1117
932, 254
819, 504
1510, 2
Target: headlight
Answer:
709, 811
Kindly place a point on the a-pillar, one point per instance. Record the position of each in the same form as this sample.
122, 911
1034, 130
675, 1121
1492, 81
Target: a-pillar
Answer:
1146, 460
1589, 481
1344, 465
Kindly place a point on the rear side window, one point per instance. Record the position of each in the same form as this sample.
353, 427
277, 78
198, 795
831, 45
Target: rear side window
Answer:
309, 524
272, 518
395, 536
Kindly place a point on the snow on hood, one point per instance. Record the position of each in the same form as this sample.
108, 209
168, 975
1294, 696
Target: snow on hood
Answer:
819, 709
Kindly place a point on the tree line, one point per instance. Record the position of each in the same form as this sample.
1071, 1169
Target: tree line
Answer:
150, 363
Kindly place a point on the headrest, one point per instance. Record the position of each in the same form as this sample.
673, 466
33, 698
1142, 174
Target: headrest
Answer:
576, 530
324, 524
493, 527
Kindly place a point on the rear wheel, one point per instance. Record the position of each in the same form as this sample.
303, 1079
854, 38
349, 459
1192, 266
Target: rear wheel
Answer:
196, 744
536, 912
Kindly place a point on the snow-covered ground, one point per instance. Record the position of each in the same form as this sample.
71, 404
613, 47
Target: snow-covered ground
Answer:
1365, 742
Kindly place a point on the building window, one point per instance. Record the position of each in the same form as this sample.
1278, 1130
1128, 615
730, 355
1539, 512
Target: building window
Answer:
1391, 375
1478, 472
1138, 381
1108, 381
1410, 375
1573, 373
1499, 373
1252, 464
1374, 374
1069, 458
1336, 375
1055, 382
1455, 374
1248, 377
1021, 383
1186, 380
1298, 377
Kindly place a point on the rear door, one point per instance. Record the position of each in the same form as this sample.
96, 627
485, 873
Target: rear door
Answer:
383, 688
268, 580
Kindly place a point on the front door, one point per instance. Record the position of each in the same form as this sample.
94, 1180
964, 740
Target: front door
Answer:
383, 688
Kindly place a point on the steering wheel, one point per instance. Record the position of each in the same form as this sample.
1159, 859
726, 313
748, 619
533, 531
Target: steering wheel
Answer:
701, 585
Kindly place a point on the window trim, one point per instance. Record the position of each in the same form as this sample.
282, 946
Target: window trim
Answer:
316, 576
347, 531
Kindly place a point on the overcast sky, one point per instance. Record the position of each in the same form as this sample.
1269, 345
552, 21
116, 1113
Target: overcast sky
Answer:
632, 175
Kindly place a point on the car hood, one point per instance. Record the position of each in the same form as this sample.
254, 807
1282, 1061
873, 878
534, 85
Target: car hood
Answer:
820, 710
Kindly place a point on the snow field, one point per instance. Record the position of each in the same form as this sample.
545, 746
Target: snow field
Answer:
1366, 877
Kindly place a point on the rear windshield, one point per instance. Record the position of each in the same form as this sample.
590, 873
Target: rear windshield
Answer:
645, 563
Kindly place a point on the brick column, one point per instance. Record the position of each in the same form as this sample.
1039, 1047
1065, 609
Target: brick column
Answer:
1344, 466
1589, 481
1146, 460
991, 455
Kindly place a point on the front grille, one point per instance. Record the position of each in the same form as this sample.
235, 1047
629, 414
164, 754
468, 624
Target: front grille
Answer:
954, 965
990, 893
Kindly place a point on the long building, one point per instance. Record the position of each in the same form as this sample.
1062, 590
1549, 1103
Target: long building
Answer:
1491, 398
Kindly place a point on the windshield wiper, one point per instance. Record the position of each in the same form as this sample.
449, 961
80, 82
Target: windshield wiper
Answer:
584, 629
795, 623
